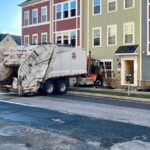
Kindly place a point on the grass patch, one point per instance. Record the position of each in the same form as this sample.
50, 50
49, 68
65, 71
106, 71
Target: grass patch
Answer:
114, 93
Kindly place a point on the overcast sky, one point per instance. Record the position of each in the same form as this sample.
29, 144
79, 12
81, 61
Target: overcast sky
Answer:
10, 17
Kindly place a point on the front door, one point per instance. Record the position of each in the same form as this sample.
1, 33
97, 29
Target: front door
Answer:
129, 70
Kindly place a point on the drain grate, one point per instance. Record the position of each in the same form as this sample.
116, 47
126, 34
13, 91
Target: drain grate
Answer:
14, 131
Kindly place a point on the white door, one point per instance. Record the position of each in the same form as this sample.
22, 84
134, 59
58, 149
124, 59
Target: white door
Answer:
129, 70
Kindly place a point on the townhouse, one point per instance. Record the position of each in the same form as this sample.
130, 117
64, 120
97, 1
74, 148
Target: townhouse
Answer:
115, 31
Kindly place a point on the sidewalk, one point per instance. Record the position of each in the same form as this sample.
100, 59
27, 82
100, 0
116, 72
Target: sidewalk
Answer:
121, 94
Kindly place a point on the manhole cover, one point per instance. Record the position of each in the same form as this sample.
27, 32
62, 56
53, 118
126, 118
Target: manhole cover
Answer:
14, 131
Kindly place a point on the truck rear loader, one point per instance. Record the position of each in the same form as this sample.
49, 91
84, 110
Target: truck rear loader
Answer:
46, 68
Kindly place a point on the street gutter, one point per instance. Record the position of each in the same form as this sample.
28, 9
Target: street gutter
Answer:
92, 93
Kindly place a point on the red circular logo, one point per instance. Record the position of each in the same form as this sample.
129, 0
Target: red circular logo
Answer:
73, 55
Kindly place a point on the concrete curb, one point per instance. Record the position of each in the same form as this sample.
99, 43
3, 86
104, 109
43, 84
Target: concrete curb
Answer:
142, 100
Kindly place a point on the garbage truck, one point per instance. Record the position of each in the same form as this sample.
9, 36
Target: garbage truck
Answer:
45, 68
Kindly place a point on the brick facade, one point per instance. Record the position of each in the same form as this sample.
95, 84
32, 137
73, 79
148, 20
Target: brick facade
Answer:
40, 27
71, 24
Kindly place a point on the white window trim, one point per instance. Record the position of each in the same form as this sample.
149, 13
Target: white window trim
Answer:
109, 60
116, 35
62, 9
100, 8
26, 36
129, 7
61, 33
37, 38
46, 14
69, 36
113, 10
100, 37
37, 16
44, 33
28, 17
129, 23
56, 11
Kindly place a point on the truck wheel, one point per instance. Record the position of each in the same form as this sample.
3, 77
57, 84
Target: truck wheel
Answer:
61, 86
99, 82
49, 87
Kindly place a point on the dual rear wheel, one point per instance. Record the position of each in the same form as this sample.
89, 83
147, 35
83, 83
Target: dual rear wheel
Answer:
51, 87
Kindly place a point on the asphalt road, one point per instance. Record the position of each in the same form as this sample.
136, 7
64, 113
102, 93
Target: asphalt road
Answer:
88, 129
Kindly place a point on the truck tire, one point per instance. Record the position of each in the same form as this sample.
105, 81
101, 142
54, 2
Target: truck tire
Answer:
61, 86
49, 87
99, 82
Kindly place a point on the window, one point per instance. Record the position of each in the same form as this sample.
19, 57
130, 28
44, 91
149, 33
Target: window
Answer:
58, 11
73, 38
97, 6
129, 33
112, 5
34, 39
44, 14
66, 38
26, 18
66, 10
44, 38
58, 38
97, 37
112, 35
26, 40
34, 16
73, 8
108, 68
129, 4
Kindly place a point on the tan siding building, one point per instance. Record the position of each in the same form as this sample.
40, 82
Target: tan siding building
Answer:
109, 24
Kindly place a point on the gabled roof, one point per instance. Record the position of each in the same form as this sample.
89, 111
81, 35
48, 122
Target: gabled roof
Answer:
24, 3
16, 38
2, 36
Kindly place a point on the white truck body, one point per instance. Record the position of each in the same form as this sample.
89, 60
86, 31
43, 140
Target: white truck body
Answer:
45, 62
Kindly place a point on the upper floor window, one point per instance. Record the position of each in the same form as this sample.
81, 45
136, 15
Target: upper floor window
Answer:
129, 4
97, 6
73, 8
129, 33
35, 16
112, 5
65, 10
96, 37
58, 11
26, 18
43, 14
112, 35
44, 38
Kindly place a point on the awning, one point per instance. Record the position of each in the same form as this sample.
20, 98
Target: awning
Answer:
127, 50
